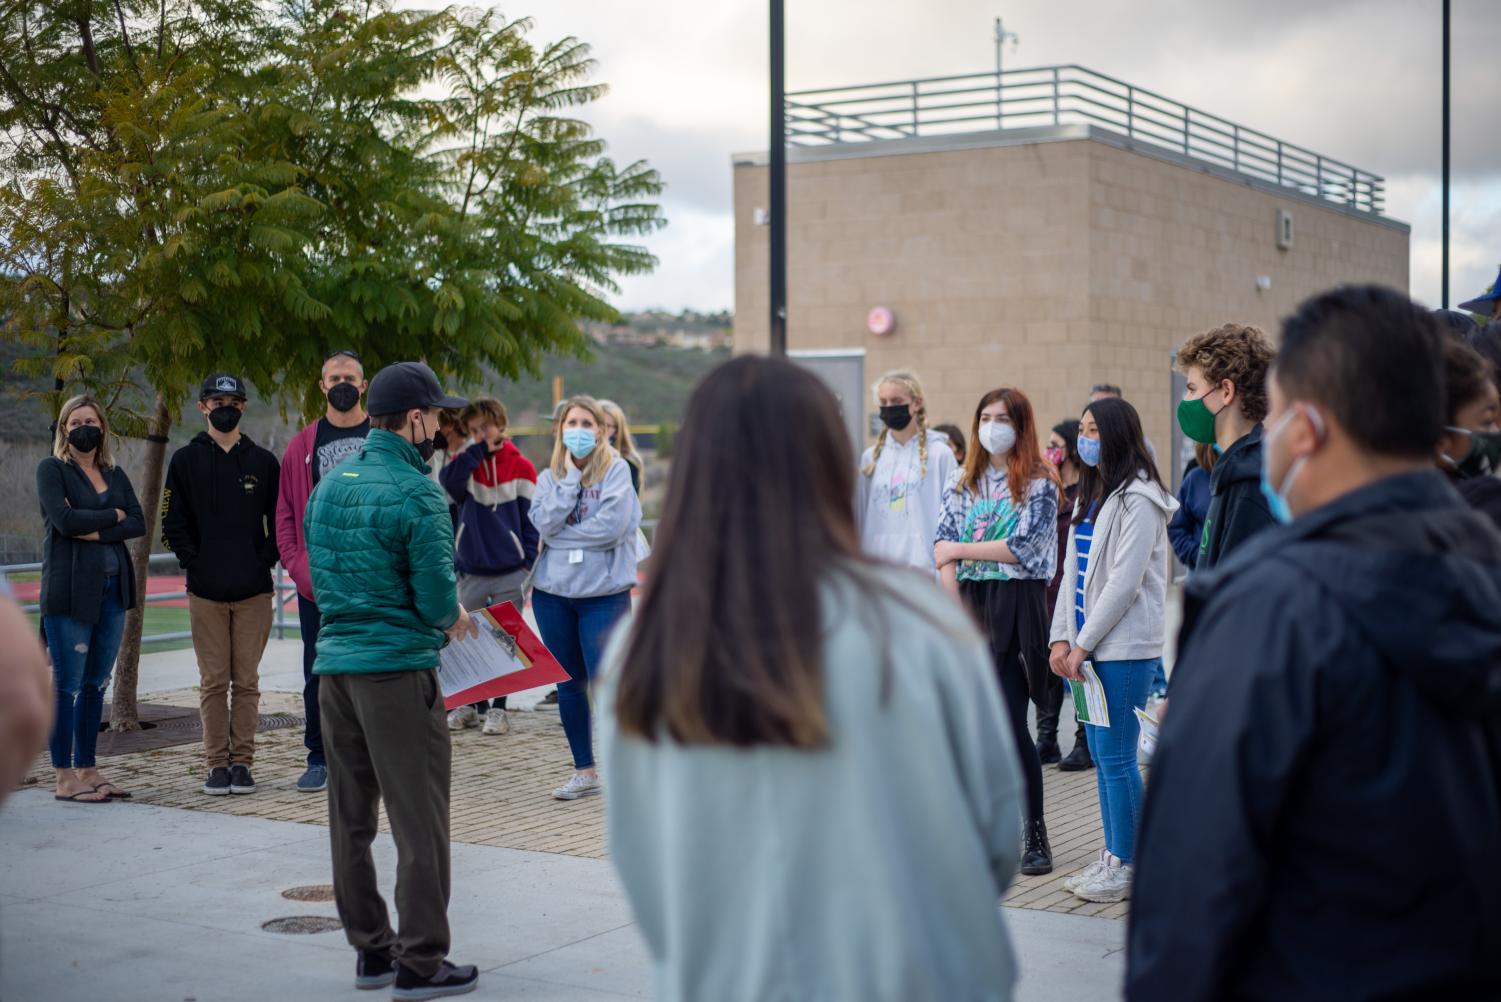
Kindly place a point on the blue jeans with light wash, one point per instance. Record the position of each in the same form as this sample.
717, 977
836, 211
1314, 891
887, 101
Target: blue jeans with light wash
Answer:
83, 655
575, 630
1117, 776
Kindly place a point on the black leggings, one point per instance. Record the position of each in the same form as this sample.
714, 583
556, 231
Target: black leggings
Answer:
1014, 692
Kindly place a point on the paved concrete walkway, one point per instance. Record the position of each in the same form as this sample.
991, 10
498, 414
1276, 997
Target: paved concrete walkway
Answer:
133, 902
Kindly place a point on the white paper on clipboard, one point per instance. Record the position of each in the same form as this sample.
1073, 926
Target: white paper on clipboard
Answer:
473, 661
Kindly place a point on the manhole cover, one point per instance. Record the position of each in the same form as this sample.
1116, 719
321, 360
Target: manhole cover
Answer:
310, 892
302, 924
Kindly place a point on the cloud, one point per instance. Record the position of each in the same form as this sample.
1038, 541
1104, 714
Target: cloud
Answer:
1356, 80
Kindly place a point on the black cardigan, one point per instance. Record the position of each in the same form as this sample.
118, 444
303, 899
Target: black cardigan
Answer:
73, 568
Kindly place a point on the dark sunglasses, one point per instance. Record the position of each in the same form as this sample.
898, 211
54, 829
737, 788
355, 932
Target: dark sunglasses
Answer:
348, 352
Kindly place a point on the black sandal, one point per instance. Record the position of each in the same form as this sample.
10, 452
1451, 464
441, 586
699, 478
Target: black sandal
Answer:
82, 793
121, 795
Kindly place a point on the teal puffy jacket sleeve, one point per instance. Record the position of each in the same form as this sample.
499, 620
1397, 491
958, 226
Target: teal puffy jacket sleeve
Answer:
429, 540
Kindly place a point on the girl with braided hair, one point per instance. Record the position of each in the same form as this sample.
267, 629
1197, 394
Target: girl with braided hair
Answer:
900, 490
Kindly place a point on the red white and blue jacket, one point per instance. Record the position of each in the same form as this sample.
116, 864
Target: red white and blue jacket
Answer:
494, 493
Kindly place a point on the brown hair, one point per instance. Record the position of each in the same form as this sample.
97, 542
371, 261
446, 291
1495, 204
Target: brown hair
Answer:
487, 409
104, 456
727, 645
1025, 462
1466, 373
1205, 456
1235, 352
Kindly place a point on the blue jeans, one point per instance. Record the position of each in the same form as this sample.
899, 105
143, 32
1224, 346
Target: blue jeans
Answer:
575, 630
1127, 685
83, 655
310, 621
1159, 680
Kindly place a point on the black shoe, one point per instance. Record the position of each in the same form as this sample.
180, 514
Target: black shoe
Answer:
239, 779
551, 699
1077, 760
449, 980
1037, 855
218, 782
373, 970
1048, 752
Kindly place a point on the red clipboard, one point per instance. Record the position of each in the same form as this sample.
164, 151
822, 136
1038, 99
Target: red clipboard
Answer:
544, 670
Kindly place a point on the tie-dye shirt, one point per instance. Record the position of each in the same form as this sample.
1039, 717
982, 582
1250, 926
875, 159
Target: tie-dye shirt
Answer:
990, 514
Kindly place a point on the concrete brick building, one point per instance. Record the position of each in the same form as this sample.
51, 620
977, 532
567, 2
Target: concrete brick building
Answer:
1049, 257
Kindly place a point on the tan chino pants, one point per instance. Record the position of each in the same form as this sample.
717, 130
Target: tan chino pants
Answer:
229, 639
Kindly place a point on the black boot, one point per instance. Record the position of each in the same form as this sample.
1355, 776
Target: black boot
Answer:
1048, 709
1077, 760
1037, 855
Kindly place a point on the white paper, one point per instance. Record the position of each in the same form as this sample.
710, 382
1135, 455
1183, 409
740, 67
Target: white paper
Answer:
1089, 697
1148, 741
471, 661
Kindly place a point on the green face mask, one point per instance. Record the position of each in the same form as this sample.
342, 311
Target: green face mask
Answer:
1197, 420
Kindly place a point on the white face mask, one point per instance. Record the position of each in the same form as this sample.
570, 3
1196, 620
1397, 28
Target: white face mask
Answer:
998, 437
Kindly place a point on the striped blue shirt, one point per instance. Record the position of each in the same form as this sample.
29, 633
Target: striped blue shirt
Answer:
1083, 536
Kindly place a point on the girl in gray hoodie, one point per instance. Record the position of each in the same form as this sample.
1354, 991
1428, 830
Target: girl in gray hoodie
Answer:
1113, 616
811, 785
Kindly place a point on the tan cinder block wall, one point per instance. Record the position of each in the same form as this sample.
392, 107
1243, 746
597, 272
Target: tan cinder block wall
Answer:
1050, 266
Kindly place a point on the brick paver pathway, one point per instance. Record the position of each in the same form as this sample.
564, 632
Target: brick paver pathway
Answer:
502, 795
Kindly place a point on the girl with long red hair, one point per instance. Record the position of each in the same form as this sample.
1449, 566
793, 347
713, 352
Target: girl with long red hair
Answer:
997, 549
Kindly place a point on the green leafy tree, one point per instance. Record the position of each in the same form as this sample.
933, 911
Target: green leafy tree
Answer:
190, 187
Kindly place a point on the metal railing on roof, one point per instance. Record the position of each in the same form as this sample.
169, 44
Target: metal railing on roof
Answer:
1066, 95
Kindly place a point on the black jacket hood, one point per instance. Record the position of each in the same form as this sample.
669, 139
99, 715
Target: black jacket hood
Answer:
1241, 462
1419, 573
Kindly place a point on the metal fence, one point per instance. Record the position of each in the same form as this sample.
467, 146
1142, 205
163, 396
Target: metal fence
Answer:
1065, 95
286, 592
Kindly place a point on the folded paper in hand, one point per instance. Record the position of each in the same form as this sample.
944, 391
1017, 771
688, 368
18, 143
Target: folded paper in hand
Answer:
506, 657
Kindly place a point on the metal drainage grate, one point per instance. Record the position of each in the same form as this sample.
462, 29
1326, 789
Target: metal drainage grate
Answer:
310, 892
302, 924
163, 726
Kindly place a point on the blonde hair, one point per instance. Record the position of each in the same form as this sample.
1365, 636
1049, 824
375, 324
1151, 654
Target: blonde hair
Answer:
602, 456
907, 380
105, 456
624, 444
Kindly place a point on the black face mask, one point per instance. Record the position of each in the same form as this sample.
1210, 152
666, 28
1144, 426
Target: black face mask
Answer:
1484, 457
426, 447
86, 438
224, 419
897, 416
440, 441
343, 397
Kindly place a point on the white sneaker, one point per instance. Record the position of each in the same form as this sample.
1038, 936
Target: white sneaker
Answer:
579, 786
1110, 883
496, 722
1077, 880
464, 716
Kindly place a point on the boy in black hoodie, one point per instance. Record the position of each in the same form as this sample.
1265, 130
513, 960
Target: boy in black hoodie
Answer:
219, 517
1224, 407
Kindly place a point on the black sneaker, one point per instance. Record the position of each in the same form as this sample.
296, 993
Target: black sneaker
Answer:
448, 980
1077, 760
218, 782
373, 970
239, 779
1037, 854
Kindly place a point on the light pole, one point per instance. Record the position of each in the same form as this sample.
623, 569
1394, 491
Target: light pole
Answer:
1444, 268
1002, 36
778, 183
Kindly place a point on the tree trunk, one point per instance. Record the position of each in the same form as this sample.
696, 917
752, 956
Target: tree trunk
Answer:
123, 715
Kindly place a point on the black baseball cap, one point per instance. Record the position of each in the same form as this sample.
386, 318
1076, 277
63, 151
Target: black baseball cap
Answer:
405, 385
222, 384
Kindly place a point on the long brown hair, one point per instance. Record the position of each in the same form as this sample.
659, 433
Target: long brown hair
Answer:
727, 646
1025, 461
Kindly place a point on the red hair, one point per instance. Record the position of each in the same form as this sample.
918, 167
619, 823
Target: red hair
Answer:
1025, 461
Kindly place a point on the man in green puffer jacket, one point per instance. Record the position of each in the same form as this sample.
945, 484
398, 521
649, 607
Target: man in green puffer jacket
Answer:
380, 552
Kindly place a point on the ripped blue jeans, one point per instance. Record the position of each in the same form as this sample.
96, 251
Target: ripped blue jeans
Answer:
83, 655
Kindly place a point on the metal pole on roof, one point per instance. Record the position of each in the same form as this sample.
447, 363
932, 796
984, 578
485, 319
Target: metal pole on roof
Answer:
1444, 267
778, 168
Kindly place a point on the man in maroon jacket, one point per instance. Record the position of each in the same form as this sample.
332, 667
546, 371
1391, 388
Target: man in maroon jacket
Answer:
311, 454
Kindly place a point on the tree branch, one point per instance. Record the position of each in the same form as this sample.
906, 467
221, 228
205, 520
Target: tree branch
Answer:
130, 53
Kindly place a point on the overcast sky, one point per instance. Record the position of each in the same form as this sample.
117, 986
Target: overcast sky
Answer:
1356, 80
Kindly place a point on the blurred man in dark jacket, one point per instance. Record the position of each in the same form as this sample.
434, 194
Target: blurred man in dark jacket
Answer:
1325, 805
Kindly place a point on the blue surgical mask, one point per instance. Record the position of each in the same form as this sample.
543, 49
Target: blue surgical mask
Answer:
1089, 451
1276, 497
579, 441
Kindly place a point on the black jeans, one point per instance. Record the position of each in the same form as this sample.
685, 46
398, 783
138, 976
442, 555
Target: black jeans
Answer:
311, 620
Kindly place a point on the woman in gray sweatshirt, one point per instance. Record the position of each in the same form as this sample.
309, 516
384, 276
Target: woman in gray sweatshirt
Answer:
812, 791
1113, 617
